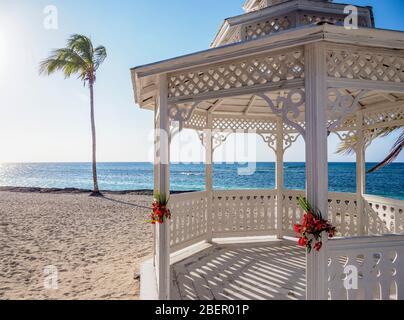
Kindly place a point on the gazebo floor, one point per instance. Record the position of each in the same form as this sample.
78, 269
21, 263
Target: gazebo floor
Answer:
274, 270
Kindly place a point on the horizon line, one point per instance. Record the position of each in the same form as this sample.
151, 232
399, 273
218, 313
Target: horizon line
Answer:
175, 163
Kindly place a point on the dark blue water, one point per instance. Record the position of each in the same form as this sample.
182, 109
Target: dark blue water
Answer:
387, 182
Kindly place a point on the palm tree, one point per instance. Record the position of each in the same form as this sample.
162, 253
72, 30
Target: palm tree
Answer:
349, 146
82, 59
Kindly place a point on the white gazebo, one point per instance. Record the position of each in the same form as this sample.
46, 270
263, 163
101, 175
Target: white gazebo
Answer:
283, 69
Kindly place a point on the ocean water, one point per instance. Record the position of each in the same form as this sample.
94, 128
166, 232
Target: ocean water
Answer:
388, 182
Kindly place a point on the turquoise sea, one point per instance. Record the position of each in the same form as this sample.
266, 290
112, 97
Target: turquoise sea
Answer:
388, 182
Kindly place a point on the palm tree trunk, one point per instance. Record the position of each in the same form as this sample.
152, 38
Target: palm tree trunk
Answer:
96, 191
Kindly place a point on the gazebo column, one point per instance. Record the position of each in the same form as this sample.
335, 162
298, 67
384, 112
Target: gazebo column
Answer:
163, 184
279, 177
360, 173
155, 175
316, 161
209, 175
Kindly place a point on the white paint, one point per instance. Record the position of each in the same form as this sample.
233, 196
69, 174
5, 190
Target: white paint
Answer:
280, 151
379, 261
162, 230
148, 283
316, 160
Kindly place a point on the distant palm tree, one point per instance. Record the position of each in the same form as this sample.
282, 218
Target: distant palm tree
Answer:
82, 59
349, 146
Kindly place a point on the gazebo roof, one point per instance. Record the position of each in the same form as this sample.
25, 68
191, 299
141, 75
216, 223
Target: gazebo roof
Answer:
145, 77
266, 17
254, 5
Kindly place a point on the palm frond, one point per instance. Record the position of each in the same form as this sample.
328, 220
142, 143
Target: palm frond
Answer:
100, 54
79, 58
83, 46
65, 60
400, 139
393, 155
349, 146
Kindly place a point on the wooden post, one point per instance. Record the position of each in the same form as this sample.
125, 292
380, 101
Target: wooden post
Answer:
156, 176
316, 160
163, 230
279, 177
360, 173
208, 175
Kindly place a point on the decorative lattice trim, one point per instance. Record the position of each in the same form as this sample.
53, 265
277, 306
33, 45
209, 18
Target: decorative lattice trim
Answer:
289, 108
266, 27
198, 121
248, 72
247, 124
341, 106
270, 140
361, 65
218, 137
382, 117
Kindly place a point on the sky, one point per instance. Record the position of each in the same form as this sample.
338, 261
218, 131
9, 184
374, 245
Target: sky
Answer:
46, 119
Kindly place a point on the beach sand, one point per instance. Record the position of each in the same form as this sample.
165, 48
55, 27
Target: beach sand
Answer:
96, 244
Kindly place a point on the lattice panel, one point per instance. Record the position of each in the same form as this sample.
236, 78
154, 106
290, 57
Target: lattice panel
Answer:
289, 129
383, 117
338, 20
238, 74
273, 25
365, 65
197, 121
347, 125
312, 18
269, 26
246, 124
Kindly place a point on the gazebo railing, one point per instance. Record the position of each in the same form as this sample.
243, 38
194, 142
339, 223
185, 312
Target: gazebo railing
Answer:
244, 213
342, 212
375, 265
190, 219
384, 214
292, 213
200, 216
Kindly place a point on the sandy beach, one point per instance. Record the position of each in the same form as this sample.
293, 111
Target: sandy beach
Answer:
96, 244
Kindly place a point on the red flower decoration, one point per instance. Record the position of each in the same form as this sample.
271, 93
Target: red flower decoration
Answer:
312, 227
161, 212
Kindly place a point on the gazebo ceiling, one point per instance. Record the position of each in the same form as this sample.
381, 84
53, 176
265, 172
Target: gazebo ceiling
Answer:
378, 106
253, 105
